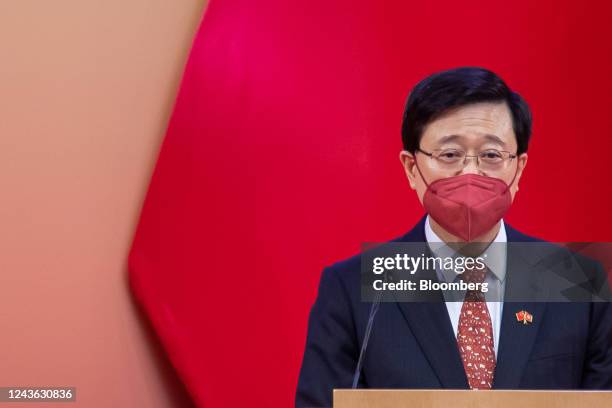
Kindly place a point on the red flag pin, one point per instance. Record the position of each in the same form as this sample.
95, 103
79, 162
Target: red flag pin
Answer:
524, 317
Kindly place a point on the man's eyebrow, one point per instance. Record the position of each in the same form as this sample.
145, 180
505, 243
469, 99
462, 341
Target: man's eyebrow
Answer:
489, 137
494, 138
448, 138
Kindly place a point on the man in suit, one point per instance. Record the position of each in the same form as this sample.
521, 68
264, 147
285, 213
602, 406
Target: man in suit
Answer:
465, 136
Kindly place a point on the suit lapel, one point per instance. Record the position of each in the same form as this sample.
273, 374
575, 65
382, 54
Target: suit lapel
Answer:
431, 326
517, 338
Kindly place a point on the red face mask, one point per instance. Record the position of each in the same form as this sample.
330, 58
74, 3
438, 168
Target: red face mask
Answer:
468, 205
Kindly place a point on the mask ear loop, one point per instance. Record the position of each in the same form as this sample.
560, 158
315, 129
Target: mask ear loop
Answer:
416, 163
515, 174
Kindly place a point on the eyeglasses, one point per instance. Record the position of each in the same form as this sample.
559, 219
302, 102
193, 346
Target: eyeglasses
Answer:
491, 160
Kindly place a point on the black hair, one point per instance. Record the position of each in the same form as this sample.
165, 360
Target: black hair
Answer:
444, 90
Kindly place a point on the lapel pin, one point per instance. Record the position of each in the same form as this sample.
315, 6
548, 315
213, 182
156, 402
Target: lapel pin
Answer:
524, 317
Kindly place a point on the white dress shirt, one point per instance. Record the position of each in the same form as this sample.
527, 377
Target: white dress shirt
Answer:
495, 260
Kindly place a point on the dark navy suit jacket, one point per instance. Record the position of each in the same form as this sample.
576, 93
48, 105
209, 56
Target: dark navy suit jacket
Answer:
568, 345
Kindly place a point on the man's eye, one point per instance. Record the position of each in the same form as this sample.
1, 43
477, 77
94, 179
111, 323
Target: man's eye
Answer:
491, 155
450, 154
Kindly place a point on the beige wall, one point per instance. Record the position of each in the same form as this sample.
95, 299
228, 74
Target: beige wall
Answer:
86, 90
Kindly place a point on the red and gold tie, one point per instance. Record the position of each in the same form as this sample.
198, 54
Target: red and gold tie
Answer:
475, 335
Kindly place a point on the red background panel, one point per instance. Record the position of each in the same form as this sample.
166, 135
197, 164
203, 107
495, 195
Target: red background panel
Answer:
281, 157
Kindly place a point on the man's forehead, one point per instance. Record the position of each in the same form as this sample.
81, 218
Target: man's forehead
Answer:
482, 121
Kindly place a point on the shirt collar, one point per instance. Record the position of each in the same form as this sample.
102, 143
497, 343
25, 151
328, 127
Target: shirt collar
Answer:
494, 256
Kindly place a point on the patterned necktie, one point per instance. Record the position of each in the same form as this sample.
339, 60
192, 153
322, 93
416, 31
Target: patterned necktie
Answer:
475, 335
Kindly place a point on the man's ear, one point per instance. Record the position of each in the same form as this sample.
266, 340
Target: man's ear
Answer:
408, 162
521, 163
